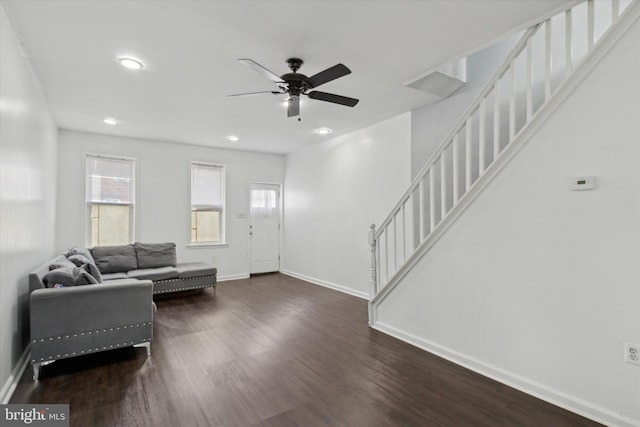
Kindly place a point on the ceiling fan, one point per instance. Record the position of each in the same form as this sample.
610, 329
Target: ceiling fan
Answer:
295, 84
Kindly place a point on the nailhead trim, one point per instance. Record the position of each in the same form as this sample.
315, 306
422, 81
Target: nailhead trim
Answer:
133, 325
184, 289
177, 279
136, 325
124, 344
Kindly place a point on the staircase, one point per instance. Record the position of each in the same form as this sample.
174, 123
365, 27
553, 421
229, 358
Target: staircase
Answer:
542, 69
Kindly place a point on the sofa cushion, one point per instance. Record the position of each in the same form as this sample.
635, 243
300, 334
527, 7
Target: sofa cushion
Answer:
195, 269
160, 273
115, 259
152, 255
114, 276
80, 251
68, 276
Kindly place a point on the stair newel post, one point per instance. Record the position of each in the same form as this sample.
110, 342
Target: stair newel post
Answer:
373, 281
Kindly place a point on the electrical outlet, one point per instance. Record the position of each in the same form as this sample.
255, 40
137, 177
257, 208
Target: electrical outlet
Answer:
632, 353
213, 259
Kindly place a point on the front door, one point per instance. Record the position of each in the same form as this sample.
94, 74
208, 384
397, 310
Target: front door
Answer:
264, 228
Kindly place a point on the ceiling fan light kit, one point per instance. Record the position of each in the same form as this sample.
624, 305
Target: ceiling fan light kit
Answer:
296, 85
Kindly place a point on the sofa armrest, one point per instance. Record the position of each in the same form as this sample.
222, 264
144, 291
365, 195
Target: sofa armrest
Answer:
56, 312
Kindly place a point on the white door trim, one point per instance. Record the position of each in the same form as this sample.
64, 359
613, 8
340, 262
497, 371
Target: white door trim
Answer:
280, 204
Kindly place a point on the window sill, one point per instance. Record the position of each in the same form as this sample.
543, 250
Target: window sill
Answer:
207, 245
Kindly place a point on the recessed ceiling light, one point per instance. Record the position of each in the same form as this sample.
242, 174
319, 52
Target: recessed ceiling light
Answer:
323, 131
232, 138
131, 63
111, 121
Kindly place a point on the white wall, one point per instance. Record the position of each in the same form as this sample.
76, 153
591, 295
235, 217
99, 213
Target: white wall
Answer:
27, 194
163, 210
537, 285
333, 192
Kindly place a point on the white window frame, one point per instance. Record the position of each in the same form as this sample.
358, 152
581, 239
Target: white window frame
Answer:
223, 216
88, 204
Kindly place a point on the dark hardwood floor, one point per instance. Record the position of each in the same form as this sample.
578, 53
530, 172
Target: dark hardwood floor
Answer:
276, 351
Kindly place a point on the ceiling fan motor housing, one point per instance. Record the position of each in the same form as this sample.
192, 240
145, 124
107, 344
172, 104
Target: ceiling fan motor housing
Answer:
297, 83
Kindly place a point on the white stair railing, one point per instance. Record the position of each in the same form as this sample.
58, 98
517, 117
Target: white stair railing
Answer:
545, 57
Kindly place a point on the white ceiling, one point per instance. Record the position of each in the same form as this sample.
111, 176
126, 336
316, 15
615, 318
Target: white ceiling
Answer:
190, 49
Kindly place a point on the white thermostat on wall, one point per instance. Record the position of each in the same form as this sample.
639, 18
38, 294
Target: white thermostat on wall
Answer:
582, 183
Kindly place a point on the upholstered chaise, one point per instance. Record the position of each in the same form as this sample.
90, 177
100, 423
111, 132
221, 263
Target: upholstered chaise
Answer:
77, 320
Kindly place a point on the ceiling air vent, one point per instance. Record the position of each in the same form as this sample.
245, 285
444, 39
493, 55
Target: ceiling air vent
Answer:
444, 81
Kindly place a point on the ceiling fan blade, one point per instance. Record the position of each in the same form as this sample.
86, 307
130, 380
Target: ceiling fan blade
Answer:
255, 93
329, 74
336, 99
293, 108
260, 69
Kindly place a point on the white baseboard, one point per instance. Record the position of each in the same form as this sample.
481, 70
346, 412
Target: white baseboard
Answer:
232, 277
326, 284
16, 374
541, 391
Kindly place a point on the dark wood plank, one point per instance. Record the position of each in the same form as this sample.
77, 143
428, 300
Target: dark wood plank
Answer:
276, 351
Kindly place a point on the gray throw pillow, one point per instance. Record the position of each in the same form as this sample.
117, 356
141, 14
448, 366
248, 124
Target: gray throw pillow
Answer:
153, 255
80, 251
82, 277
115, 259
79, 260
82, 261
61, 263
60, 276
93, 271
68, 276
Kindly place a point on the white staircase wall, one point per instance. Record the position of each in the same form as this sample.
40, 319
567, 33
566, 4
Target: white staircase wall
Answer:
538, 286
332, 192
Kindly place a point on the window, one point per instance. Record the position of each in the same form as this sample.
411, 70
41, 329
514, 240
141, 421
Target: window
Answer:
110, 196
207, 203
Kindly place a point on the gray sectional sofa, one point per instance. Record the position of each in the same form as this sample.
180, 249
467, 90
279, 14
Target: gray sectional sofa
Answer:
156, 262
86, 301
